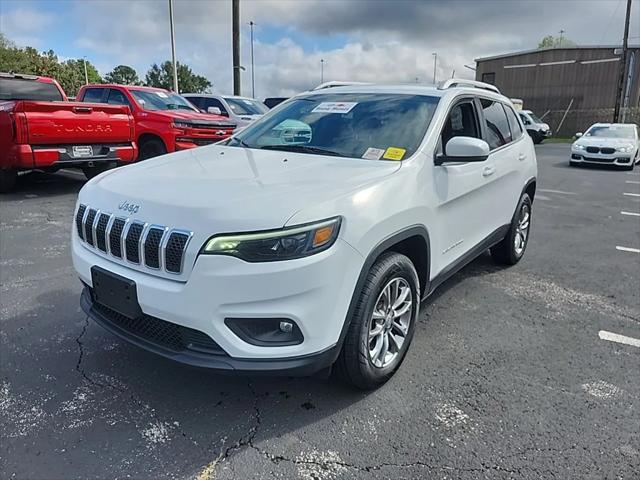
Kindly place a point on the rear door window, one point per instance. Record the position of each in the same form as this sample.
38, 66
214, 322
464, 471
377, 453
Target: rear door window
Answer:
27, 89
514, 124
116, 97
496, 124
93, 95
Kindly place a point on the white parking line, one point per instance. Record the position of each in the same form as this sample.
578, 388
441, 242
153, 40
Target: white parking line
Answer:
615, 337
632, 214
627, 249
556, 191
632, 181
631, 194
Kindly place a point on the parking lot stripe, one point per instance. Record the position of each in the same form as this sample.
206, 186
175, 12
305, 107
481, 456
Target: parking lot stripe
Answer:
556, 191
632, 214
631, 194
615, 337
627, 249
632, 181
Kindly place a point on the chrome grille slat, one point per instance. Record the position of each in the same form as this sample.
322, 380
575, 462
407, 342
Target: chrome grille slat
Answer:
129, 241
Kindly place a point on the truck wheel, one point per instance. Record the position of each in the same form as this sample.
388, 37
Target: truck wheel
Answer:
8, 179
511, 249
152, 148
537, 138
383, 323
91, 172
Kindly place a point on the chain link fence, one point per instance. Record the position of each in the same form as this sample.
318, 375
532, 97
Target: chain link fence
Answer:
581, 120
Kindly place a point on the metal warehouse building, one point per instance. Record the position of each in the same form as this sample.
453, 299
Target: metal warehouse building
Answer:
570, 87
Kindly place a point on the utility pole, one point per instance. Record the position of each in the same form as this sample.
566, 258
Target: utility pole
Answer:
86, 76
623, 64
235, 37
435, 63
173, 49
253, 78
321, 71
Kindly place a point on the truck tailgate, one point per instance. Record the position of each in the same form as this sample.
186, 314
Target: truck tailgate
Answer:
62, 123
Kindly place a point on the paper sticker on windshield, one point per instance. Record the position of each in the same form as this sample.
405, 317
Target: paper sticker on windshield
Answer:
162, 94
373, 153
394, 153
334, 107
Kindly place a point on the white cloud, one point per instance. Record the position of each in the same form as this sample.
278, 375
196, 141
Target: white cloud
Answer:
25, 26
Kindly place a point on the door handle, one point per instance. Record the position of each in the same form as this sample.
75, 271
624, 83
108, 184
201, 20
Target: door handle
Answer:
488, 171
522, 157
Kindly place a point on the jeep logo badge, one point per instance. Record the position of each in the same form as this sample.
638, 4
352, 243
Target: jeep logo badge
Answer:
129, 207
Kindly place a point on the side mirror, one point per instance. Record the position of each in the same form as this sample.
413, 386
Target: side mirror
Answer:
464, 149
214, 110
578, 135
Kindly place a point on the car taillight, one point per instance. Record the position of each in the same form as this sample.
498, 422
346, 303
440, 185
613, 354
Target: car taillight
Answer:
19, 125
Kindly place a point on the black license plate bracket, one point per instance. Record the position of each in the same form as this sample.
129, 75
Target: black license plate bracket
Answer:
115, 292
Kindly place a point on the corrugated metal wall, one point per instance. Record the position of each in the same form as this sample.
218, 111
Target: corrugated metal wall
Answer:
548, 81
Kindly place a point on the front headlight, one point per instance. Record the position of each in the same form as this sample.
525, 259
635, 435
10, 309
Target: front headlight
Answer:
578, 147
273, 245
625, 148
181, 124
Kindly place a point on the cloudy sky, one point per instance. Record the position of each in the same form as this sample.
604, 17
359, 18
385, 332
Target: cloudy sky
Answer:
361, 40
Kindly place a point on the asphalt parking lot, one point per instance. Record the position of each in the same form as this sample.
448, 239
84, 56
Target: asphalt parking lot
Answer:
509, 375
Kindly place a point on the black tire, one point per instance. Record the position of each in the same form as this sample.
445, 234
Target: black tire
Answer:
354, 364
8, 179
90, 172
152, 148
506, 252
535, 136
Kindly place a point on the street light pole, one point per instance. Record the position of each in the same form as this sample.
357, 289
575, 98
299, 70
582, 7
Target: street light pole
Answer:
321, 71
561, 35
253, 78
86, 75
173, 49
235, 39
435, 63
623, 65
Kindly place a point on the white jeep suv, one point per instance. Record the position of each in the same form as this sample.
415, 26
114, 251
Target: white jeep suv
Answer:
309, 239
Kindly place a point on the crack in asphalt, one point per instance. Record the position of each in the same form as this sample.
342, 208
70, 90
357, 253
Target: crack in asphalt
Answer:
143, 406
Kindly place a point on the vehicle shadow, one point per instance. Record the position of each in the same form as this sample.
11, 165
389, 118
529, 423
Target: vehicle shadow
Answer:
600, 167
130, 404
40, 184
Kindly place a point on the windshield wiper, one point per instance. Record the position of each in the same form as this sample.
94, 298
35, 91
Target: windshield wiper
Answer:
302, 149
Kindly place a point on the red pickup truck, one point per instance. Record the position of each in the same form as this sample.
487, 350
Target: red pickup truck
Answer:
165, 121
41, 130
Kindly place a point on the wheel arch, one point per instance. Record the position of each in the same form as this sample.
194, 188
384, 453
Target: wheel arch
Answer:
412, 242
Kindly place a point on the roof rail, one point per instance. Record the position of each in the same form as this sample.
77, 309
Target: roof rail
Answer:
457, 82
337, 83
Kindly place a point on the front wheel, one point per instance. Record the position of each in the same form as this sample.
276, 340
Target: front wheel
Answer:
152, 148
511, 249
382, 324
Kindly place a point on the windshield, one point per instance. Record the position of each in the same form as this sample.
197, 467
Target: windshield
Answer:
245, 106
535, 118
611, 131
158, 100
373, 126
22, 89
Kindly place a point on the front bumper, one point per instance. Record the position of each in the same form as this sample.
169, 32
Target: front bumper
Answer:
617, 158
314, 292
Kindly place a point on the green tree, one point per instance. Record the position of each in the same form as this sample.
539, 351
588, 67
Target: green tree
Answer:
162, 76
71, 75
124, 75
550, 41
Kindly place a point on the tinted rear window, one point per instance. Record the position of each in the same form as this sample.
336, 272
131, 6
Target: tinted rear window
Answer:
22, 89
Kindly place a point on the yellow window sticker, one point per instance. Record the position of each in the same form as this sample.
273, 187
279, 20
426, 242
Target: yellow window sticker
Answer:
394, 153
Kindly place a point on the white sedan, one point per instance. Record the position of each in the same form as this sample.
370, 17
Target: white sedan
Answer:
607, 143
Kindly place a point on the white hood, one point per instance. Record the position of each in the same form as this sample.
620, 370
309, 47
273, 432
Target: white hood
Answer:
603, 142
219, 189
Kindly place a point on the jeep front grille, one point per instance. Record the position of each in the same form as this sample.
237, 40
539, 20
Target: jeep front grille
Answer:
133, 241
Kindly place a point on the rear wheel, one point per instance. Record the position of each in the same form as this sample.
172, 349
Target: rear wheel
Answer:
8, 179
152, 148
383, 323
511, 249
